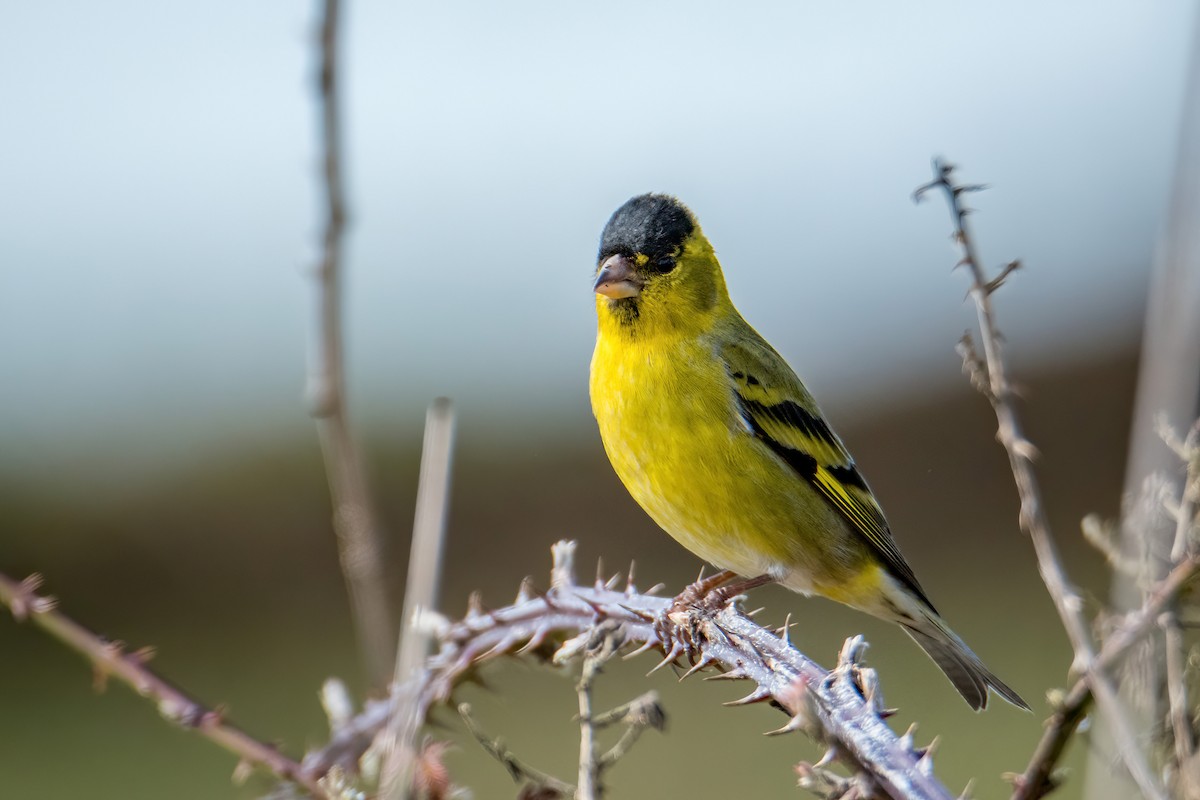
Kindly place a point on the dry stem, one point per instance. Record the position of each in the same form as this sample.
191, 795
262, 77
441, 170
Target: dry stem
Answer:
1020, 456
353, 516
110, 659
420, 593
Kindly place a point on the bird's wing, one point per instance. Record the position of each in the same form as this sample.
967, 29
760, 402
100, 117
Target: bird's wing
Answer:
781, 414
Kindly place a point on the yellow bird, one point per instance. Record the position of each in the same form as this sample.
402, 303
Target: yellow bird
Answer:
717, 439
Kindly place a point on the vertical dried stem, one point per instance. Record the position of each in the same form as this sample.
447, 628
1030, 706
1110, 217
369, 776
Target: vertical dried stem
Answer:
1177, 695
1021, 453
588, 787
602, 645
353, 516
420, 595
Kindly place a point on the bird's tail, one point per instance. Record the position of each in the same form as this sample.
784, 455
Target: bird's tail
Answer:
964, 669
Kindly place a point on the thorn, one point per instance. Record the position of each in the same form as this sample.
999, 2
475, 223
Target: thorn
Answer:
26, 601
757, 696
645, 616
611, 583
534, 642
783, 632
639, 650
475, 607
888, 713
793, 724
827, 758
670, 658
998, 281
597, 609
501, 646
144, 654
699, 665
545, 597
750, 614
906, 741
967, 790
655, 589
599, 573
735, 674
630, 589
524, 593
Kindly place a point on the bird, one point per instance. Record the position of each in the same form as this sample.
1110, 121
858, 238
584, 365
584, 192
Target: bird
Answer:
719, 441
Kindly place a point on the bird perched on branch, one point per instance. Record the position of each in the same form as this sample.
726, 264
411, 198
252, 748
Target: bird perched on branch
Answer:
717, 439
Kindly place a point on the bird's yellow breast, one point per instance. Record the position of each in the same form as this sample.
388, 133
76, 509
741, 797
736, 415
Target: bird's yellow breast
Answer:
672, 431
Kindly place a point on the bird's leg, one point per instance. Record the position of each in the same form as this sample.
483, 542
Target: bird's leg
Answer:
709, 594
696, 592
721, 595
692, 595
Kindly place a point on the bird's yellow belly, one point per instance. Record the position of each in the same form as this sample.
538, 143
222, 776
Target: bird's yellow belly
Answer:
677, 442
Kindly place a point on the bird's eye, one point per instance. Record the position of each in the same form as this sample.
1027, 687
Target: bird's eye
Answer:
663, 264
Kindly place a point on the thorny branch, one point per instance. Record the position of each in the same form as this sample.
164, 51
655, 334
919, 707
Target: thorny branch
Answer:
111, 659
353, 516
840, 708
991, 378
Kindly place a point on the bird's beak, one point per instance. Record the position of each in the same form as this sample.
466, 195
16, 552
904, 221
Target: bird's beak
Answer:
616, 278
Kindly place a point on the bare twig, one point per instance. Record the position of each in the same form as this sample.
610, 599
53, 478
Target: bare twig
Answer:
1178, 705
111, 659
420, 593
353, 515
1036, 780
519, 770
1180, 713
838, 707
643, 712
603, 645
1021, 453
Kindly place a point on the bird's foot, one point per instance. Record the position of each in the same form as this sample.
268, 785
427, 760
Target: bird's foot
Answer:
707, 594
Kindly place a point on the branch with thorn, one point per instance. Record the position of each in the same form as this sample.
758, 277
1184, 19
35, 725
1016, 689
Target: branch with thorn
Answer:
841, 708
110, 659
989, 375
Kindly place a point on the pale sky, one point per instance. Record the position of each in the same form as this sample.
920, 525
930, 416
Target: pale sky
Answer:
159, 206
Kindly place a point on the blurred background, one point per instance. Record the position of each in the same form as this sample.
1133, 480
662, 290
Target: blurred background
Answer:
157, 463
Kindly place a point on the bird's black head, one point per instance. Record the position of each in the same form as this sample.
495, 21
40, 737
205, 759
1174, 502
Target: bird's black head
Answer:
652, 225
